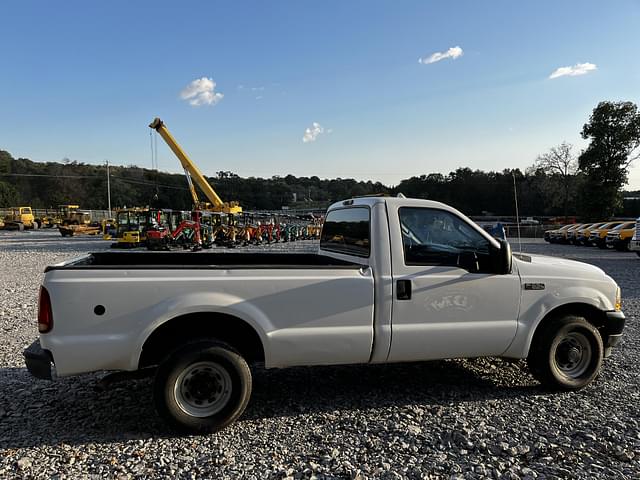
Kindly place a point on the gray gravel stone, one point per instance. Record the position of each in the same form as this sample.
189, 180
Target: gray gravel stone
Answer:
482, 418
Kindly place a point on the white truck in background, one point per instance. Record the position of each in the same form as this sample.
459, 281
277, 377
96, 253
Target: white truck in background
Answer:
634, 246
395, 280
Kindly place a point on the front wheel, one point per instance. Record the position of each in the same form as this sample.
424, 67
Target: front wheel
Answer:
566, 354
203, 386
623, 246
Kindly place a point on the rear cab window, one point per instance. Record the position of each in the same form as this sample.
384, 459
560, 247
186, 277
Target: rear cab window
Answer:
347, 230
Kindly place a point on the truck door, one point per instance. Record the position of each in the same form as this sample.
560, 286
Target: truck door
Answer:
447, 301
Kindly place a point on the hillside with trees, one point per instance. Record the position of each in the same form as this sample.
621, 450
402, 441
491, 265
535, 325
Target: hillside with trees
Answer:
541, 191
559, 183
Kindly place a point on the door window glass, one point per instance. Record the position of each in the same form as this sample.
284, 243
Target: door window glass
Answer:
437, 237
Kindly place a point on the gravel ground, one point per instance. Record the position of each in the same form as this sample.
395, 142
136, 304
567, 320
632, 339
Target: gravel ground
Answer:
484, 418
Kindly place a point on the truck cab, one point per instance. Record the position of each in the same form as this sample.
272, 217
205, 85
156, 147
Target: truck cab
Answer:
432, 263
620, 236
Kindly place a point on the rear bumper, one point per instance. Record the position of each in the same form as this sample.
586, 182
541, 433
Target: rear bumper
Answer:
39, 361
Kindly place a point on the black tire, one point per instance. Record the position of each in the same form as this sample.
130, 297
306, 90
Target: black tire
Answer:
623, 246
218, 372
566, 354
638, 253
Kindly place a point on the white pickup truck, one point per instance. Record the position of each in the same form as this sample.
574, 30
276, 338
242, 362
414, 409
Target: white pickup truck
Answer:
395, 280
634, 245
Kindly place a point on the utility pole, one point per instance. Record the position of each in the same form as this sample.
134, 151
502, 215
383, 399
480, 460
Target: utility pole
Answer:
515, 196
108, 189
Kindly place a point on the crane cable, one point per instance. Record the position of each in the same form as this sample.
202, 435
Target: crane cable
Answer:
153, 143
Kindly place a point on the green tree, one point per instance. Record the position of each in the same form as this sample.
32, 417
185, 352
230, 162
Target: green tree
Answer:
8, 195
614, 133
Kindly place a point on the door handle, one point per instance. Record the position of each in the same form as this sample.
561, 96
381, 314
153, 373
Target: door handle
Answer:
403, 289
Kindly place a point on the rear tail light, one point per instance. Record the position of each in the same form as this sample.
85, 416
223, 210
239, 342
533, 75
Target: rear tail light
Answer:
45, 315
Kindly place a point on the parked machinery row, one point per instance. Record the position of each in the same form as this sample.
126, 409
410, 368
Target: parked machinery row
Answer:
24, 218
619, 234
164, 229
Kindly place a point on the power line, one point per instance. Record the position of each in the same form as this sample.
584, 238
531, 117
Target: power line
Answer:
47, 175
142, 182
126, 180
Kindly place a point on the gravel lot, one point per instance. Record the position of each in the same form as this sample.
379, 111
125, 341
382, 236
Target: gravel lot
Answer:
484, 418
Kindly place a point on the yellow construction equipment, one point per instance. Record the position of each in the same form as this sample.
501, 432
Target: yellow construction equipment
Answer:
193, 174
74, 229
19, 218
72, 215
131, 229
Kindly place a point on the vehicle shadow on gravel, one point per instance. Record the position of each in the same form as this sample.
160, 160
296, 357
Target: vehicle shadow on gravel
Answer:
71, 411
278, 393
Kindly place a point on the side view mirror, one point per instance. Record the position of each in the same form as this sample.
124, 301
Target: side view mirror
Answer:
503, 257
468, 261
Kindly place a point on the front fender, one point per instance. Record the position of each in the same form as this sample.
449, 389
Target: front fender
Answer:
535, 309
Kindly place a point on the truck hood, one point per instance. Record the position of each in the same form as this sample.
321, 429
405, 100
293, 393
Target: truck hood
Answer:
545, 266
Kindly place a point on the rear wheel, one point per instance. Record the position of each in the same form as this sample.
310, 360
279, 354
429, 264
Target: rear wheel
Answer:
203, 386
566, 354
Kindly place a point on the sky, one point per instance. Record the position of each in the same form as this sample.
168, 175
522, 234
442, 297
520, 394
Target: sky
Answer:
353, 89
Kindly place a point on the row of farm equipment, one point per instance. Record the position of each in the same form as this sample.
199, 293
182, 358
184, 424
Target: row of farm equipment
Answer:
210, 223
164, 229
64, 216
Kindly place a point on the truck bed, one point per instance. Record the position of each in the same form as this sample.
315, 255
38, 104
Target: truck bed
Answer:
190, 260
306, 308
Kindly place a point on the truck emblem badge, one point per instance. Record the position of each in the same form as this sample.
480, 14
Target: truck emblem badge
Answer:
534, 286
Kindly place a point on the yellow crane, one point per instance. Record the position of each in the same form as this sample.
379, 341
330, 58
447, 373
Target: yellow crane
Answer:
193, 174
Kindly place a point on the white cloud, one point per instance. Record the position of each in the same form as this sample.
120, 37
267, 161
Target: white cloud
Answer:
311, 133
577, 69
201, 92
453, 53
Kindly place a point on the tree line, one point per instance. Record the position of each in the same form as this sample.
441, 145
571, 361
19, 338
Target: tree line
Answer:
558, 183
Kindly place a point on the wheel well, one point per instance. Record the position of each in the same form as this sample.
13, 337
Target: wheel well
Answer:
593, 315
227, 328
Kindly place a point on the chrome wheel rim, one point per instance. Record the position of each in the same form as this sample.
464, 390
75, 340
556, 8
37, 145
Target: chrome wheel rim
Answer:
573, 354
202, 389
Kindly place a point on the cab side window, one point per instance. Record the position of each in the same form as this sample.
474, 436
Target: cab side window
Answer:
347, 230
437, 237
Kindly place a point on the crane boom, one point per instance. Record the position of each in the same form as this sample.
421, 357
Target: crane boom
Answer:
194, 175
